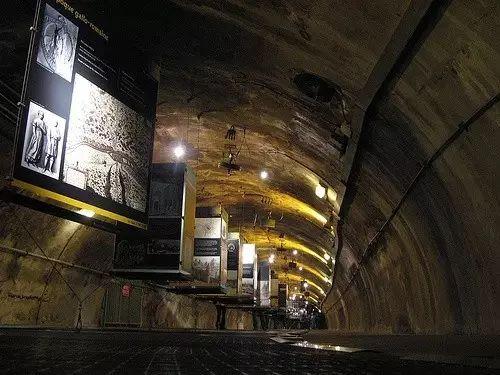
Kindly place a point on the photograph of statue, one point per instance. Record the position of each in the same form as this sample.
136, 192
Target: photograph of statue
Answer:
108, 146
57, 45
43, 141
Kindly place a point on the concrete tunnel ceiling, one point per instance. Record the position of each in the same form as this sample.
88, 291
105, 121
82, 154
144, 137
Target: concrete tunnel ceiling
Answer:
284, 76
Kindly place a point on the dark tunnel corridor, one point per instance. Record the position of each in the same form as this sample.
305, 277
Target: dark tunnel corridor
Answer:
250, 186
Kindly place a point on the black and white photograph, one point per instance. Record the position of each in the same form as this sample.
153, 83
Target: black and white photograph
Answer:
208, 227
108, 147
206, 268
43, 140
57, 45
165, 200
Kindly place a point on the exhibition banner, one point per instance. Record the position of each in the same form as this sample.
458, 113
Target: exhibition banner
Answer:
86, 131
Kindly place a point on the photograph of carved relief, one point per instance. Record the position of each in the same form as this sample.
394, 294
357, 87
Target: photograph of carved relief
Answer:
206, 269
165, 199
57, 45
108, 146
43, 140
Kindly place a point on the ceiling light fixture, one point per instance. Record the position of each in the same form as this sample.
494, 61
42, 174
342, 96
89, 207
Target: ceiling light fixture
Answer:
179, 151
326, 256
320, 191
300, 268
295, 252
264, 175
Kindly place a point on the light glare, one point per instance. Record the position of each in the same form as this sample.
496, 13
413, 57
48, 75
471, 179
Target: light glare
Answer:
179, 151
320, 191
87, 213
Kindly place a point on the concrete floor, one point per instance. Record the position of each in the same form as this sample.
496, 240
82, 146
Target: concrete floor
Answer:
114, 352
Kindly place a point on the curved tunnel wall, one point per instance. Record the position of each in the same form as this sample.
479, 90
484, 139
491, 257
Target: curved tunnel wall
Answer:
435, 267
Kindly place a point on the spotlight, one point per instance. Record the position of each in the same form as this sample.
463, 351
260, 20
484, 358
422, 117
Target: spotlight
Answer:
320, 191
326, 256
295, 252
179, 151
300, 268
305, 285
264, 175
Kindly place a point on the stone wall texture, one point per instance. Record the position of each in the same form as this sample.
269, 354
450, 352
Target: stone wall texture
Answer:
34, 293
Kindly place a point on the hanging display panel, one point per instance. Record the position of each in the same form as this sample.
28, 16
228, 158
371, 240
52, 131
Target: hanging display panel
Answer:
85, 134
165, 251
234, 264
210, 245
249, 269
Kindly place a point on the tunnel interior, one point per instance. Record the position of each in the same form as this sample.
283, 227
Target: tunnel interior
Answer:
367, 132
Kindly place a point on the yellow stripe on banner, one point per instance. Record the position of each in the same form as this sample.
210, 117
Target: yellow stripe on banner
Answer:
76, 203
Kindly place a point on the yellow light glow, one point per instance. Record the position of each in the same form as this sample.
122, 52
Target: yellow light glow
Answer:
295, 205
86, 212
314, 271
300, 278
299, 247
332, 195
314, 299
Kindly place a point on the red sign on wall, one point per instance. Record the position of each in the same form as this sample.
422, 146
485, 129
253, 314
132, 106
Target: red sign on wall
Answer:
126, 290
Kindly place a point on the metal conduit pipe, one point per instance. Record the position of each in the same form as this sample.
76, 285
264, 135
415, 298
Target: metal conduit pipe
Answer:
13, 250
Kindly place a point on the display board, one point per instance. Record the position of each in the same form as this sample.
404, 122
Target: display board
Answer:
282, 295
249, 274
234, 263
210, 245
264, 285
274, 289
168, 244
86, 131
